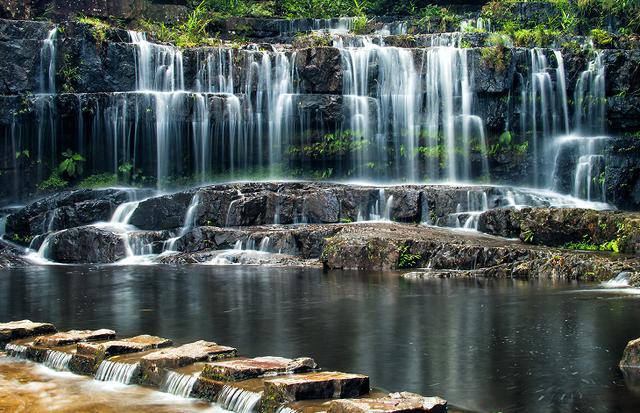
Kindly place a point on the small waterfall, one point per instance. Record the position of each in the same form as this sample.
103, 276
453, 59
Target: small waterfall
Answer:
124, 212
16, 350
178, 384
590, 99
238, 400
58, 360
238, 246
587, 177
620, 281
388, 205
188, 224
117, 372
264, 244
48, 63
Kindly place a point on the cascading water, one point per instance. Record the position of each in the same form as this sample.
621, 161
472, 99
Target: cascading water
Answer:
16, 350
418, 111
117, 372
48, 63
178, 384
238, 400
58, 360
189, 222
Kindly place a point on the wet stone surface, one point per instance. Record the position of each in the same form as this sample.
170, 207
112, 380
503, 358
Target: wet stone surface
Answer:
394, 403
21, 329
243, 369
74, 336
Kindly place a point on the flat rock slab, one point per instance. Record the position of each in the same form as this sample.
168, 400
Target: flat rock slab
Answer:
153, 365
15, 330
312, 386
243, 369
127, 345
74, 336
631, 356
395, 403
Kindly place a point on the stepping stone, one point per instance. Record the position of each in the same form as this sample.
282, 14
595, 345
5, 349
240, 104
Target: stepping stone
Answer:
126, 345
15, 330
154, 365
395, 403
631, 356
74, 336
89, 355
243, 369
311, 386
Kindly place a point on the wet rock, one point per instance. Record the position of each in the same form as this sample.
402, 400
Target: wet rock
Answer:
85, 245
504, 222
74, 336
312, 386
126, 345
320, 69
394, 403
12, 257
88, 356
65, 210
154, 365
15, 330
622, 174
161, 213
243, 369
631, 357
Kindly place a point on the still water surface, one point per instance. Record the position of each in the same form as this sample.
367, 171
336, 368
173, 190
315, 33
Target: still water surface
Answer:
485, 345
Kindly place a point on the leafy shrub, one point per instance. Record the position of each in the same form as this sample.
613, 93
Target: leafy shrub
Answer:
53, 183
99, 181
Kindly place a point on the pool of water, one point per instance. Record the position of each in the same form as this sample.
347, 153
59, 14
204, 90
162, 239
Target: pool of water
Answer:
485, 345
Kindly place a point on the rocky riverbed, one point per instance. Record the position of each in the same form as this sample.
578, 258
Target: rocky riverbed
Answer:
333, 225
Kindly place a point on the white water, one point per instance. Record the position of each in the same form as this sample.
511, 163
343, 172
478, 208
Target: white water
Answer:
178, 384
238, 400
48, 63
620, 281
117, 372
58, 360
16, 351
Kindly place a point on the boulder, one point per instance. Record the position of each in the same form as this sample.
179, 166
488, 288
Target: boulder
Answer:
85, 245
15, 330
161, 213
154, 365
320, 70
74, 336
394, 403
631, 357
312, 386
243, 369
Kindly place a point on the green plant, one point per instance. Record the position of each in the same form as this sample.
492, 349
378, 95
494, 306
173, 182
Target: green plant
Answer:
602, 39
71, 165
497, 57
359, 25
99, 181
54, 183
406, 259
527, 236
98, 28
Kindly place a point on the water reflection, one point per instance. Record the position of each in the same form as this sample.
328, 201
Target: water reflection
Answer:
487, 345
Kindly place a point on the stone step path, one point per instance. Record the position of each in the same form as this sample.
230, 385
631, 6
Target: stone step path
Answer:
205, 370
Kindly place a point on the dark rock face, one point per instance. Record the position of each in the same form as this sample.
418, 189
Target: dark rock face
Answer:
623, 172
320, 70
631, 356
166, 212
63, 9
65, 210
86, 245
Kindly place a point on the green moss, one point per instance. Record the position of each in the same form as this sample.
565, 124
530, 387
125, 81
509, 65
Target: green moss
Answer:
602, 39
98, 28
406, 259
498, 56
54, 183
99, 181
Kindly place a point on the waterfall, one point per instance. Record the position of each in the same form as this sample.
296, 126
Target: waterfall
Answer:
620, 281
48, 63
178, 384
117, 372
189, 222
16, 350
264, 244
590, 99
238, 400
124, 212
477, 203
58, 360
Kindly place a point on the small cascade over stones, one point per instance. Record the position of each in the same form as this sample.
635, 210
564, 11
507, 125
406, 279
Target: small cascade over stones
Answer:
590, 99
48, 63
178, 384
124, 212
238, 400
620, 281
117, 372
264, 245
16, 350
58, 360
189, 222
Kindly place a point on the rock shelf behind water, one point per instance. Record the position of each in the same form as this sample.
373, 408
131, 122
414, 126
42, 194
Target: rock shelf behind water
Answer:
74, 336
